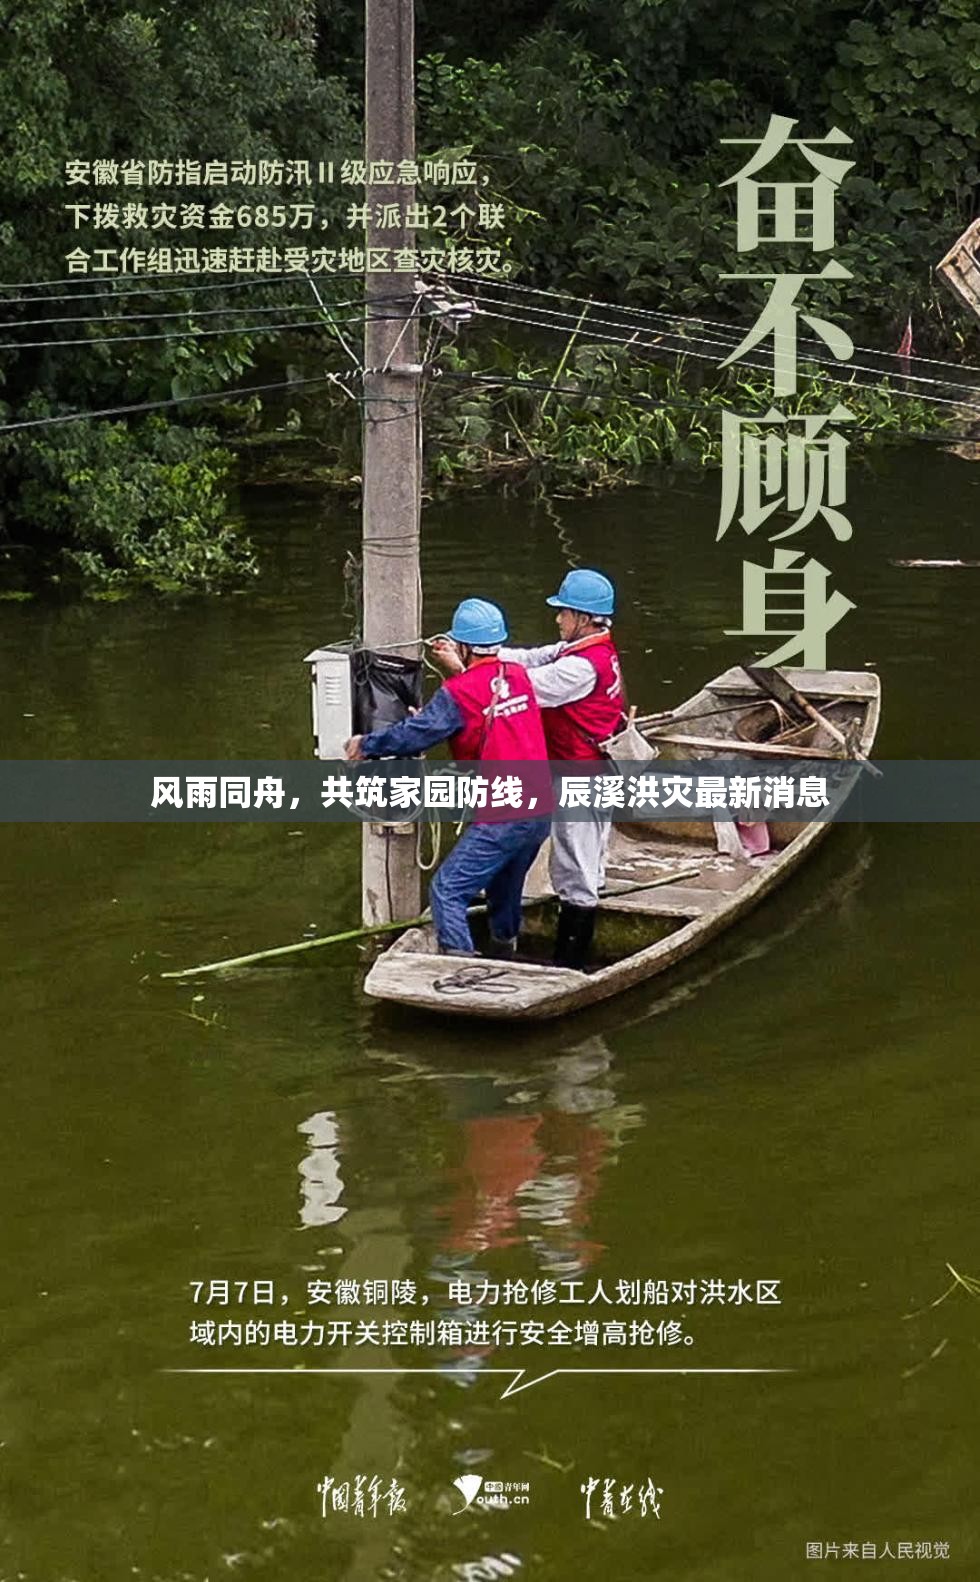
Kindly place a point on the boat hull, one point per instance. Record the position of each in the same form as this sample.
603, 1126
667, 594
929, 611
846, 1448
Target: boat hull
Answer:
711, 893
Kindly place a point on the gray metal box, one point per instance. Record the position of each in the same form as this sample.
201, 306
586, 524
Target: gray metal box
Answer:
330, 669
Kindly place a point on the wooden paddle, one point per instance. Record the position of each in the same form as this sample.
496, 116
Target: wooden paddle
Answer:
775, 685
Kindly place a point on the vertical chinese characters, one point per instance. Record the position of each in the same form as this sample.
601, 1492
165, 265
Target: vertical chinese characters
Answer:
788, 464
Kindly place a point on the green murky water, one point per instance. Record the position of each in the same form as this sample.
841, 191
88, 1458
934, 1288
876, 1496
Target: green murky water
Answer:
799, 1104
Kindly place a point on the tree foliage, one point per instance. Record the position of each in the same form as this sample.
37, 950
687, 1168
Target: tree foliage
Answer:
607, 122
122, 79
602, 123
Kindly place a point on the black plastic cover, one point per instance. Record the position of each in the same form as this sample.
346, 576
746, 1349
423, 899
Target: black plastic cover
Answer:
384, 687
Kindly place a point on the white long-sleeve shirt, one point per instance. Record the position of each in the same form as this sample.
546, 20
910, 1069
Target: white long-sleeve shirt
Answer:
557, 677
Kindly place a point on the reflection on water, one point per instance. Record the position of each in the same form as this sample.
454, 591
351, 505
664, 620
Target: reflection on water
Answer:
532, 1147
527, 1178
322, 1187
797, 1102
529, 1173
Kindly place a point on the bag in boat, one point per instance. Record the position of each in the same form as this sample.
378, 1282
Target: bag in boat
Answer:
628, 748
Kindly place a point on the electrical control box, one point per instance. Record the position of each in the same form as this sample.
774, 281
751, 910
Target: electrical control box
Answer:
333, 724
356, 690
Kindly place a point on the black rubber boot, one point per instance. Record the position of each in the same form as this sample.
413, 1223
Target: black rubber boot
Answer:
501, 949
573, 941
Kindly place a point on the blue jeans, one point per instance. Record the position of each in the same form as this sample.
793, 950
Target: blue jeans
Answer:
490, 857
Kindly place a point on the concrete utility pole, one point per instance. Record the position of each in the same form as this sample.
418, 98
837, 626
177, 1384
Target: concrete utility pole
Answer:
392, 426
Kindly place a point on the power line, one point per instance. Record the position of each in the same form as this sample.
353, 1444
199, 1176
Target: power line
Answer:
179, 335
178, 283
222, 283
526, 316
334, 326
180, 313
570, 321
652, 313
636, 397
130, 318
154, 406
515, 381
689, 351
498, 380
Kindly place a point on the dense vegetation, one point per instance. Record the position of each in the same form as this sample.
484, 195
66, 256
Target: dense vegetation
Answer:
603, 122
142, 497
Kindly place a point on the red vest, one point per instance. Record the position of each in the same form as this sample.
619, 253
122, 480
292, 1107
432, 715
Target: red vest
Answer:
501, 724
575, 729
501, 718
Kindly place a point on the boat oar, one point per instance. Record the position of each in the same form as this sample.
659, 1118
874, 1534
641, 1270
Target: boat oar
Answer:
778, 688
391, 928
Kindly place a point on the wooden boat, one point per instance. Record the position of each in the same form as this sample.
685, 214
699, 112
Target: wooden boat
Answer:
642, 933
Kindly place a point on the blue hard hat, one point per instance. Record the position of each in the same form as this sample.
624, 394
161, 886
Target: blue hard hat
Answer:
588, 591
479, 623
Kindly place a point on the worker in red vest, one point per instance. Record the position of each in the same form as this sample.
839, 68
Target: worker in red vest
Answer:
578, 683
488, 714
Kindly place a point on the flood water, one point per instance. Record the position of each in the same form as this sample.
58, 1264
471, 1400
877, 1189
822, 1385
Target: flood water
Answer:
798, 1104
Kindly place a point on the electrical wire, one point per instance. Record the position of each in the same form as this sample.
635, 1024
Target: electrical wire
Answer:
221, 282
172, 335
525, 317
154, 315
500, 380
224, 283
212, 395
731, 329
411, 319
639, 398
333, 324
154, 406
396, 417
434, 826
329, 322
689, 351
517, 382
571, 320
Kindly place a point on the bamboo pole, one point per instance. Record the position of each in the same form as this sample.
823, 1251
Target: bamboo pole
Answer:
564, 359
391, 928
293, 950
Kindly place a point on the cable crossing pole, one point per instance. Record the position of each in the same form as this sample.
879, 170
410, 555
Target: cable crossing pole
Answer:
392, 422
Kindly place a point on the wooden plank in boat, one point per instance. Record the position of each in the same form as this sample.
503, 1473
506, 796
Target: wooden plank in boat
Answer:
490, 987
669, 900
723, 744
815, 683
717, 872
721, 892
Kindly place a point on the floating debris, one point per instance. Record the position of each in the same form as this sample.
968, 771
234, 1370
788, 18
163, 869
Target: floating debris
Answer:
915, 564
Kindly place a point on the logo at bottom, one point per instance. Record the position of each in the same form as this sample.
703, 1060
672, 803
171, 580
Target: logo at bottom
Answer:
495, 1496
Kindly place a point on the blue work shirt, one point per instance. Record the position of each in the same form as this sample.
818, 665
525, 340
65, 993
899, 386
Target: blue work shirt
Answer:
439, 720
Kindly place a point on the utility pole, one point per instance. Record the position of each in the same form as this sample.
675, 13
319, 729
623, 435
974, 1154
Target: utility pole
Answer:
392, 424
